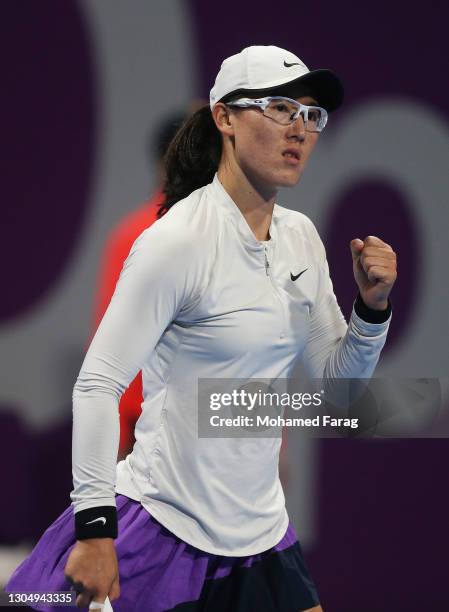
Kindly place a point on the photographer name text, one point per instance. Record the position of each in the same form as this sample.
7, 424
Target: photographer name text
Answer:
278, 421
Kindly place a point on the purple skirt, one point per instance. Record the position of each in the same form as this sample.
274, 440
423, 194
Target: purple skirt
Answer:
160, 572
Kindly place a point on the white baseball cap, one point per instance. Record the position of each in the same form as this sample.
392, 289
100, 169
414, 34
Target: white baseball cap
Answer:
270, 70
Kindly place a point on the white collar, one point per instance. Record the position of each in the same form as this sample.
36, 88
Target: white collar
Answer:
230, 208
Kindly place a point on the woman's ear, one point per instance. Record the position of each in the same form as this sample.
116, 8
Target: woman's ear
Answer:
223, 118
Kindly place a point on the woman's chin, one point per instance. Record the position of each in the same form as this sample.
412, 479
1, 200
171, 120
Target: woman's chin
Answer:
290, 180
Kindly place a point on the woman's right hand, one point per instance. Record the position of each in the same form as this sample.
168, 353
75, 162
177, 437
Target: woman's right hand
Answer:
92, 568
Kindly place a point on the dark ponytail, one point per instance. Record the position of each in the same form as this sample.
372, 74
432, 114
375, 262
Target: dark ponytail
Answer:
192, 157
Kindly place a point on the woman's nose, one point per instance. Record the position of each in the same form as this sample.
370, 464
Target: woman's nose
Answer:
298, 128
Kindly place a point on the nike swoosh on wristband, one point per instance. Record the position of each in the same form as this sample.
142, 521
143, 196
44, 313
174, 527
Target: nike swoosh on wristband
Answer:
293, 277
290, 65
100, 518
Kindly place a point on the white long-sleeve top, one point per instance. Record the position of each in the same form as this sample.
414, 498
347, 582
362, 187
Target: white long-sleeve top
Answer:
200, 297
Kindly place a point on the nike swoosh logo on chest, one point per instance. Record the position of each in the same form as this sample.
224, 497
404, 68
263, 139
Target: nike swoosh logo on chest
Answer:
296, 276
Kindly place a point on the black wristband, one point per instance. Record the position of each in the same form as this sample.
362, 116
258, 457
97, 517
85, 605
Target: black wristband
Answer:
369, 314
99, 522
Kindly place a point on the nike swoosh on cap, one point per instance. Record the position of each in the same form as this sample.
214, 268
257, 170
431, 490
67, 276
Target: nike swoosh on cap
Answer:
100, 518
290, 65
294, 277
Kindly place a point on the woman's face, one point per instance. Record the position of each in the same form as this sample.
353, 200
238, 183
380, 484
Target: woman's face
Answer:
271, 155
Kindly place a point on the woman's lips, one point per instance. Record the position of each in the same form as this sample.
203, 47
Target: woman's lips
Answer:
292, 157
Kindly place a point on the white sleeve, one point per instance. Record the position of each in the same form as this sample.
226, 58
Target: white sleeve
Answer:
157, 280
335, 349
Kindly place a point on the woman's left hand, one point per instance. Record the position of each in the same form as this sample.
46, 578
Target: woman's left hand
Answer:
374, 264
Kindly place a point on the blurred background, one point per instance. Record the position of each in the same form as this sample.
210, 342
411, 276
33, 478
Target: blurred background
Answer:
87, 85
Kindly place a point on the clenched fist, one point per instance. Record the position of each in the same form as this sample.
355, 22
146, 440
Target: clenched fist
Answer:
374, 264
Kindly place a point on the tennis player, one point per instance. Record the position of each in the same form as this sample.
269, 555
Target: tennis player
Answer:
226, 284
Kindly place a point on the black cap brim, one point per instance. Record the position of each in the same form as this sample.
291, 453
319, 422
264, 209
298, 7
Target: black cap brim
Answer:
322, 84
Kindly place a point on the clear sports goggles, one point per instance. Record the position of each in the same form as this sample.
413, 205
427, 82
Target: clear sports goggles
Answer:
286, 111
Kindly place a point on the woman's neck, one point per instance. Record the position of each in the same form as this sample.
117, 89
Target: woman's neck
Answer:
255, 206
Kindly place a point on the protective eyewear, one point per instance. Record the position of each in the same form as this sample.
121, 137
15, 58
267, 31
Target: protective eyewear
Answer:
286, 111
